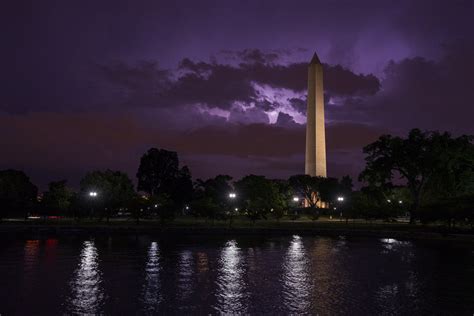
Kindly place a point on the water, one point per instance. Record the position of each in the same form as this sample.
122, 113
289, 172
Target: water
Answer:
242, 275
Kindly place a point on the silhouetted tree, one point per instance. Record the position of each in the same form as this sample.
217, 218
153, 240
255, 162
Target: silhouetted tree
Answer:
417, 159
346, 185
114, 190
57, 200
160, 176
459, 209
456, 176
138, 205
181, 191
158, 170
329, 189
212, 197
284, 199
307, 187
17, 194
257, 196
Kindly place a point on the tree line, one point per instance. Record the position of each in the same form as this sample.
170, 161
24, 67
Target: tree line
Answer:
428, 176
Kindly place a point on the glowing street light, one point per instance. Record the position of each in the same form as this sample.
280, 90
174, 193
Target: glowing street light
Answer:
340, 199
389, 201
400, 202
296, 199
93, 195
232, 195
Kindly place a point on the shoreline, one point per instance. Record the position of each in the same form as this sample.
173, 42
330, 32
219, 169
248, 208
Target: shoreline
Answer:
174, 230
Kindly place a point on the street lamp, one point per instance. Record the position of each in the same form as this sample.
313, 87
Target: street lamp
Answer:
93, 195
340, 199
400, 202
232, 196
296, 199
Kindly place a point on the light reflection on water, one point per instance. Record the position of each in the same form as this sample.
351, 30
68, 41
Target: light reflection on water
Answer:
401, 282
30, 264
152, 288
31, 255
231, 287
392, 244
86, 286
297, 285
271, 276
185, 277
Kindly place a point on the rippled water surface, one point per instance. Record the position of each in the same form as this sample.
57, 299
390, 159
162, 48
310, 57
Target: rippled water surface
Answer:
241, 275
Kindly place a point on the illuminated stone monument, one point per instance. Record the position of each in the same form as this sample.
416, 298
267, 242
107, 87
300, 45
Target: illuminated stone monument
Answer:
315, 158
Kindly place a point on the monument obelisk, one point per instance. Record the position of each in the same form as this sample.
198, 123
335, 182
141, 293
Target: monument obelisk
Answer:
315, 159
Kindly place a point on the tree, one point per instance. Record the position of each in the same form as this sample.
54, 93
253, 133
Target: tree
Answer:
307, 187
449, 210
205, 206
17, 193
456, 177
346, 185
258, 196
166, 207
329, 189
137, 206
114, 190
160, 176
158, 170
364, 205
212, 197
57, 200
417, 160
283, 200
181, 191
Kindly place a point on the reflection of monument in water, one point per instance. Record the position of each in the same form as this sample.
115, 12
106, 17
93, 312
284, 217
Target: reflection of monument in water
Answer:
315, 158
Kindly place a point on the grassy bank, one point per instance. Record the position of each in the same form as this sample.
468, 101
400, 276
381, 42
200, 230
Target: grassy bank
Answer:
240, 225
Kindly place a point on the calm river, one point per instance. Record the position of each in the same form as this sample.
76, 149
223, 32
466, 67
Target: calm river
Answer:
261, 275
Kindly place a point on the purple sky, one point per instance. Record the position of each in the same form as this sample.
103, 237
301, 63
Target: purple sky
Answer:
91, 85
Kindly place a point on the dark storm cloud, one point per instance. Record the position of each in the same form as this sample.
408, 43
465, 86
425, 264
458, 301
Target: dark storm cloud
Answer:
418, 92
220, 85
286, 120
217, 85
337, 80
257, 56
248, 116
298, 104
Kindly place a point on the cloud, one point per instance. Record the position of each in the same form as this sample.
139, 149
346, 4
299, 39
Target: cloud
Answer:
221, 85
418, 92
248, 116
298, 104
257, 56
285, 120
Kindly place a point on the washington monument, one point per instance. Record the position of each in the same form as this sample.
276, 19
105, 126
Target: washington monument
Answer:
315, 159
